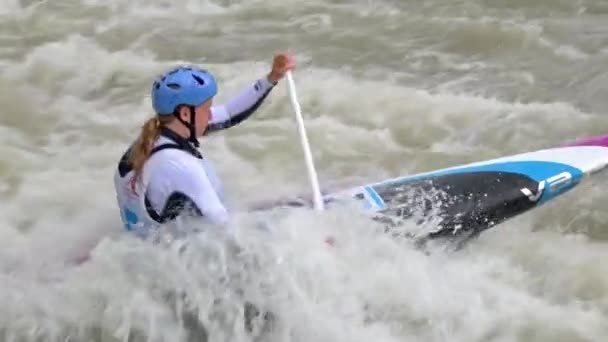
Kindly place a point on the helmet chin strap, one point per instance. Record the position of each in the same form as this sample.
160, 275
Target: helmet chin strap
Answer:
191, 125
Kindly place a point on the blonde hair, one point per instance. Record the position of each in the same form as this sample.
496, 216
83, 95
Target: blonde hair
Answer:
140, 151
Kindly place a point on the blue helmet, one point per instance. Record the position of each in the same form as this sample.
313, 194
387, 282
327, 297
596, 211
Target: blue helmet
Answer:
182, 86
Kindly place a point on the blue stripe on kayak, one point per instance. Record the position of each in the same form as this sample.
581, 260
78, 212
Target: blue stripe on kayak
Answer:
375, 197
536, 170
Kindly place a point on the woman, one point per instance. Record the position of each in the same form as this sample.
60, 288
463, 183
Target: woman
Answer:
163, 175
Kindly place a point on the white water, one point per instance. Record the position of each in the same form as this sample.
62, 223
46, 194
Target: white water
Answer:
387, 88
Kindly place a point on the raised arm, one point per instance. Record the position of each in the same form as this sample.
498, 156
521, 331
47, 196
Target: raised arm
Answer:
239, 108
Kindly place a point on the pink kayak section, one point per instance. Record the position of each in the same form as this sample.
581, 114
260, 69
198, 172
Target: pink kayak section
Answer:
601, 140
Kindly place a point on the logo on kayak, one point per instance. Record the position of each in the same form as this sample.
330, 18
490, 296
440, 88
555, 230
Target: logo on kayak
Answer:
555, 184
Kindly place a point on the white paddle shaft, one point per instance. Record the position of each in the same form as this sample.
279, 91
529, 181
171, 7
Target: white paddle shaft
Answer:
312, 173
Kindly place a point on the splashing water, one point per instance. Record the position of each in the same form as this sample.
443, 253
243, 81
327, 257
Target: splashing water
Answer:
387, 88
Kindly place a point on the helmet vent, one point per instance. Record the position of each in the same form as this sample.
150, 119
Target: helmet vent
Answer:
174, 86
199, 80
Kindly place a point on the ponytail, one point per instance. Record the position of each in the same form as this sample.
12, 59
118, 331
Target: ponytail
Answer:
140, 151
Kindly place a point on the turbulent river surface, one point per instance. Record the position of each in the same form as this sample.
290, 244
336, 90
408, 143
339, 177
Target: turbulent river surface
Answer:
387, 88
